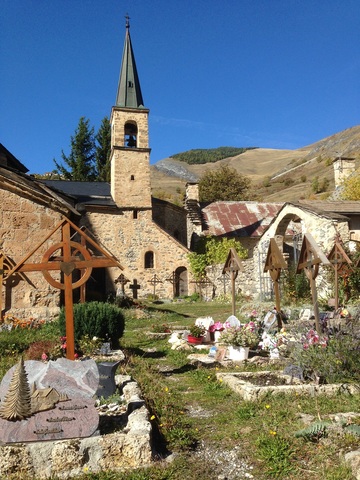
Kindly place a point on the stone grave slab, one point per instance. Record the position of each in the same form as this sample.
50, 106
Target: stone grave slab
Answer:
62, 401
107, 384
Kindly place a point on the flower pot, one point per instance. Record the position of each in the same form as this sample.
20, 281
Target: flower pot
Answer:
195, 340
238, 353
217, 335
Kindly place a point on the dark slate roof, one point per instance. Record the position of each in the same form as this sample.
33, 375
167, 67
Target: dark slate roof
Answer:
88, 193
238, 219
129, 91
7, 159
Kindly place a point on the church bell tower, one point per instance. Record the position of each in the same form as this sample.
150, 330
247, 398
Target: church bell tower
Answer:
130, 152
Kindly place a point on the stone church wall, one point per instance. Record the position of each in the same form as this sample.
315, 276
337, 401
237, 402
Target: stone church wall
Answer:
170, 218
129, 239
23, 226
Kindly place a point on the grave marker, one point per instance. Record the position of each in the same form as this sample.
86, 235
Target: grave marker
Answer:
135, 287
275, 261
309, 260
72, 256
233, 265
341, 264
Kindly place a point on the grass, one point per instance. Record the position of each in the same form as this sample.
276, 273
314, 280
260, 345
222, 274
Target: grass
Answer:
191, 409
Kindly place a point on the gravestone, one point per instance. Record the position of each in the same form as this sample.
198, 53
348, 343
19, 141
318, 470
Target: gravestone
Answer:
60, 395
107, 385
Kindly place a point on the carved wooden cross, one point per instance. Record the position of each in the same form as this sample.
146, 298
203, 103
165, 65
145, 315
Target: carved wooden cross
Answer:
67, 257
135, 287
275, 261
341, 263
309, 260
233, 265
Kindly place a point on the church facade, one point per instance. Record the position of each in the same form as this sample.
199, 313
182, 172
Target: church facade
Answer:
146, 236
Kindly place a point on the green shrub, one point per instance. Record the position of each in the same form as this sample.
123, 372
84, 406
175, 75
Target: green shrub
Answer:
96, 319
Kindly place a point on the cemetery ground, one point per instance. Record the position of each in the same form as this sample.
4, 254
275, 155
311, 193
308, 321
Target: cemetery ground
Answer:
202, 429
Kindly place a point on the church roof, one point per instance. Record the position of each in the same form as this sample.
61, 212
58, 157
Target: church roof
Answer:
129, 91
7, 159
238, 219
88, 193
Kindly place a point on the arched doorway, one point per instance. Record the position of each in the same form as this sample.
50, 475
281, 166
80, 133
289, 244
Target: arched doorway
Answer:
181, 282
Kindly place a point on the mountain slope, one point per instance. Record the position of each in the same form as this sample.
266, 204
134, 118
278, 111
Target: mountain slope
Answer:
277, 175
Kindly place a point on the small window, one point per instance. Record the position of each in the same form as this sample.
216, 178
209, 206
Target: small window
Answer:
132, 177
149, 260
135, 214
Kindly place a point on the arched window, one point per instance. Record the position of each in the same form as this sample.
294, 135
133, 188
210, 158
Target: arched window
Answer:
149, 260
130, 135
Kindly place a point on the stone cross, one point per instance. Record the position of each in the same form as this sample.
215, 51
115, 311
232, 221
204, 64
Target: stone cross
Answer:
135, 287
122, 280
154, 281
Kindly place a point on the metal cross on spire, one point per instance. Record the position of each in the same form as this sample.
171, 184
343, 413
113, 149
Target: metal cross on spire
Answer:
127, 21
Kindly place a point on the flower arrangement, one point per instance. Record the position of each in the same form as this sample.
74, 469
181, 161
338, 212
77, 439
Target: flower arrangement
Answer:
244, 336
197, 331
276, 343
10, 321
163, 328
313, 338
216, 327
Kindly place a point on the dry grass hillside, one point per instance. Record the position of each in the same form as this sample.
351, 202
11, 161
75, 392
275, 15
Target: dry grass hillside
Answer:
277, 175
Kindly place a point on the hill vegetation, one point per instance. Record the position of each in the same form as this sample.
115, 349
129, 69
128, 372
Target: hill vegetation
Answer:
276, 175
209, 155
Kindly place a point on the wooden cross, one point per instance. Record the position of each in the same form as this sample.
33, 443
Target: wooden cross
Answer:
6, 264
309, 260
72, 256
135, 287
275, 261
341, 263
233, 265
154, 281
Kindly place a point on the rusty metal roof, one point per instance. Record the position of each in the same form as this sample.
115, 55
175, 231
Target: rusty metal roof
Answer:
238, 219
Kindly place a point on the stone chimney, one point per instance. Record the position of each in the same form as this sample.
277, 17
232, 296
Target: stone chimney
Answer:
343, 168
193, 213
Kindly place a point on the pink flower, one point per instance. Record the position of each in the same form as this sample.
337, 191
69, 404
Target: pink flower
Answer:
44, 357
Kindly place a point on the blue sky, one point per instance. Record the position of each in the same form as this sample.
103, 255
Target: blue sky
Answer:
267, 73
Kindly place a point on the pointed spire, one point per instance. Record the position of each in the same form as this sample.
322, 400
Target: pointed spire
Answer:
129, 91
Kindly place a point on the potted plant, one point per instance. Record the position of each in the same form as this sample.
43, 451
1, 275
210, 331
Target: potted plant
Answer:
215, 331
196, 334
240, 340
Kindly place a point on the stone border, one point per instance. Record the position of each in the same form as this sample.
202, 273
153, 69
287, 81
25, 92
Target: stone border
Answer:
237, 381
64, 459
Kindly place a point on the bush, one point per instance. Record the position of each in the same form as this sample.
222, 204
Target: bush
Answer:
96, 319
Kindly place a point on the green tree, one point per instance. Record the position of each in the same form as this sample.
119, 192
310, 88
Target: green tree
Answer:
224, 183
213, 251
103, 150
81, 160
351, 187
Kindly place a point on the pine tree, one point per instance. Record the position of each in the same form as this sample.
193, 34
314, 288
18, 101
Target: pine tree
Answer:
81, 160
103, 149
17, 402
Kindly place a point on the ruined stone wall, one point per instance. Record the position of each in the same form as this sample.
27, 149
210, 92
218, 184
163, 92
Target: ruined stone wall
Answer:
23, 226
129, 239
